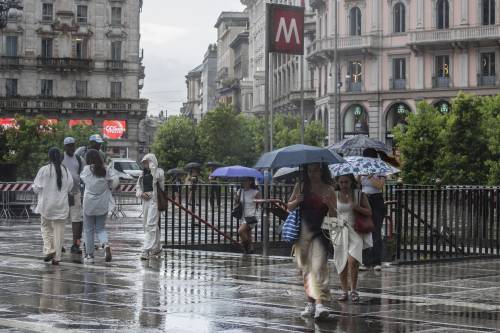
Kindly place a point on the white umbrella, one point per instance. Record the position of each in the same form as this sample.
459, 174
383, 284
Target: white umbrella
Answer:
284, 172
359, 165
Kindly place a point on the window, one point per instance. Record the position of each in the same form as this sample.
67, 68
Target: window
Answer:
399, 73
11, 87
46, 48
47, 88
11, 46
442, 14
116, 51
488, 12
354, 76
355, 22
47, 12
81, 14
396, 116
116, 89
80, 48
81, 88
443, 66
488, 64
116, 16
399, 18
355, 121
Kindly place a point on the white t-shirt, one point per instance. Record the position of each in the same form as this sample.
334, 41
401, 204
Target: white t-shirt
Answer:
249, 206
53, 203
367, 186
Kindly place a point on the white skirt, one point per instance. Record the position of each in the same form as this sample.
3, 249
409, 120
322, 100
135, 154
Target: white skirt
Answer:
347, 242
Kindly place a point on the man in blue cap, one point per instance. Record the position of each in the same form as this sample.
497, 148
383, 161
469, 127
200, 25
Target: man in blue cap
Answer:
74, 164
95, 142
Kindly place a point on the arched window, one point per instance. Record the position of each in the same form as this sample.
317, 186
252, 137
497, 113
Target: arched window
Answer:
399, 18
443, 106
488, 12
355, 21
396, 116
442, 14
355, 121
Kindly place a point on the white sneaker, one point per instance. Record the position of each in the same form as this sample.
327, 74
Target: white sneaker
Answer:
309, 310
88, 260
321, 312
378, 268
363, 268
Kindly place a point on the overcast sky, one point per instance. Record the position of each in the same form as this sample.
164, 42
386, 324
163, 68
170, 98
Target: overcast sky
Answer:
175, 36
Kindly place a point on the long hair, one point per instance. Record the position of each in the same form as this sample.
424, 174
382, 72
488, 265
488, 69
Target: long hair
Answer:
354, 183
326, 176
94, 159
55, 159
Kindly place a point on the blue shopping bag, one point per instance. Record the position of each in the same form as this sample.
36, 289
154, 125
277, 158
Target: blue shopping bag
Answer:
291, 227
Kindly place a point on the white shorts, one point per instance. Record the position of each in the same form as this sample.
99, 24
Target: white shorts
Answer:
75, 211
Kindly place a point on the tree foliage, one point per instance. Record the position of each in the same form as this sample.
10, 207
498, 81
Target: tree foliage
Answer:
491, 128
176, 143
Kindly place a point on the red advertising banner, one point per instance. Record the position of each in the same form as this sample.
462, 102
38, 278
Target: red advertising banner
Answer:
49, 122
76, 122
285, 29
114, 129
7, 122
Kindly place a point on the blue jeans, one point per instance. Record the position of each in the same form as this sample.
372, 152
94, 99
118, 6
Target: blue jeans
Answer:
91, 224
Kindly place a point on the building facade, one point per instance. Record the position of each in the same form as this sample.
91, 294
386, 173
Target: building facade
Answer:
243, 93
192, 107
76, 61
395, 53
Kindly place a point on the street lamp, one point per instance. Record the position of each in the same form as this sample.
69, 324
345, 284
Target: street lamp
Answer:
8, 7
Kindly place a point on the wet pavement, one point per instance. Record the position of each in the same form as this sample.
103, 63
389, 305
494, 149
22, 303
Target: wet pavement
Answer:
196, 291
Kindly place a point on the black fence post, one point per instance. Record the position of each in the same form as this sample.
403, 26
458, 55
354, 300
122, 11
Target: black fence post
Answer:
399, 218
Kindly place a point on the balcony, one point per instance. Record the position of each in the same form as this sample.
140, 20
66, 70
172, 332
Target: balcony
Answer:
486, 80
353, 86
114, 65
7, 61
397, 84
484, 35
324, 48
440, 82
64, 64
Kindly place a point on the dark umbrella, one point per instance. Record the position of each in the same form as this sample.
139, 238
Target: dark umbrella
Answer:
192, 165
214, 164
355, 145
297, 155
176, 172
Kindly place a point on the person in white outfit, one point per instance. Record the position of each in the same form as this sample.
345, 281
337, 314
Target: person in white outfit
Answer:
53, 183
347, 243
97, 202
247, 195
147, 190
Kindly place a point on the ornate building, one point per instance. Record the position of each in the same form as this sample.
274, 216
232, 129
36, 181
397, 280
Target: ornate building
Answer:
395, 53
76, 61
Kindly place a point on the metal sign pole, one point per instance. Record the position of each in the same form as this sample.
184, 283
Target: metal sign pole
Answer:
302, 99
267, 137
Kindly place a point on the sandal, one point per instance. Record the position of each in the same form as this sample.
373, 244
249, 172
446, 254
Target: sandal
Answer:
344, 297
354, 297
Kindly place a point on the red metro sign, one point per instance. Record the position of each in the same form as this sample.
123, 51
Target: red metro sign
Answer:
285, 29
114, 129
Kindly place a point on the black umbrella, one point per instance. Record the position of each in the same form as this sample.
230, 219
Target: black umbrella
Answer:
176, 172
192, 165
214, 165
355, 145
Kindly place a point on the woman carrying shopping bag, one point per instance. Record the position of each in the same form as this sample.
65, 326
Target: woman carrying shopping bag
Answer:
97, 202
53, 184
147, 189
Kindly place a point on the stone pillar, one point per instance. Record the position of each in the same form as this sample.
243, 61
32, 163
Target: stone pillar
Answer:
464, 14
463, 69
375, 19
374, 118
419, 84
420, 14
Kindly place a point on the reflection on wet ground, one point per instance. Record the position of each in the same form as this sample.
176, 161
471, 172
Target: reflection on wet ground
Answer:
195, 291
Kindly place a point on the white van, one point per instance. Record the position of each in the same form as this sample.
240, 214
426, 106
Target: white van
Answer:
125, 168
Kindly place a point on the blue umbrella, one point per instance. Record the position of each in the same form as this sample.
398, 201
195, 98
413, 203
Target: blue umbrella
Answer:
297, 155
237, 171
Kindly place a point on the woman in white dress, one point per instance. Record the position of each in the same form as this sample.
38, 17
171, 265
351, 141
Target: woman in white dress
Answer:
247, 195
348, 244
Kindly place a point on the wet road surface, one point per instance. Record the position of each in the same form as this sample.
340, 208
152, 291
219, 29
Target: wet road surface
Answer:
195, 291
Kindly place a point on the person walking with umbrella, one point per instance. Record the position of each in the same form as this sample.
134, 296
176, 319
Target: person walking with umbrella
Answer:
247, 196
315, 198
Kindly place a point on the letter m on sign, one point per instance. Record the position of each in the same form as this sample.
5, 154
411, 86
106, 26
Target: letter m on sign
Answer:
285, 29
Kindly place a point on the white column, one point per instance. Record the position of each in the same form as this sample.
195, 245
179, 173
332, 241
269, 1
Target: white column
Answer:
464, 16
420, 14
420, 72
464, 69
375, 14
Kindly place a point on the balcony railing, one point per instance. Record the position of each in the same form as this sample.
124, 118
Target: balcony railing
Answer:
398, 84
455, 34
486, 80
345, 43
440, 82
352, 86
114, 64
10, 61
65, 63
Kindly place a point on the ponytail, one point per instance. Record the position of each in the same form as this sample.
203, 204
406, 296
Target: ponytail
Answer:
55, 159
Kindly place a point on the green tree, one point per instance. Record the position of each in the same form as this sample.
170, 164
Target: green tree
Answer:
226, 136
286, 131
176, 143
490, 109
465, 148
314, 134
419, 144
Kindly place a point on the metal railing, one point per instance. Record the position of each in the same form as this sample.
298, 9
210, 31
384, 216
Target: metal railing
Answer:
455, 34
65, 63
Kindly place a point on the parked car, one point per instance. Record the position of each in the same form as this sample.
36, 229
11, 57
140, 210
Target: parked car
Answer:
125, 168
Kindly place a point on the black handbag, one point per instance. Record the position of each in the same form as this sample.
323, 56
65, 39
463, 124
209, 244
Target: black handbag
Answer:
71, 199
237, 211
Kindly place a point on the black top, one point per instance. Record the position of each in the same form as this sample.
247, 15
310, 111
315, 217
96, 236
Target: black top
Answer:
313, 210
147, 181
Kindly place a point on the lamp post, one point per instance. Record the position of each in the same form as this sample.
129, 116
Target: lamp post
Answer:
8, 7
